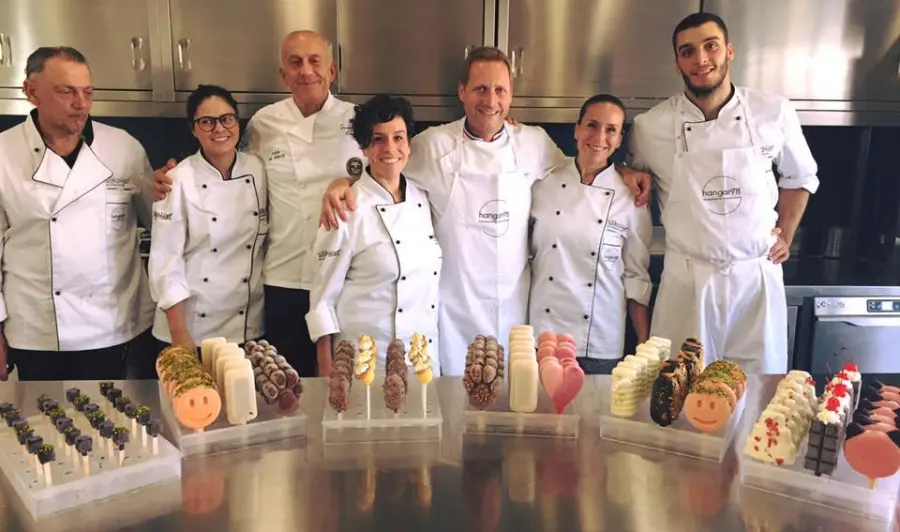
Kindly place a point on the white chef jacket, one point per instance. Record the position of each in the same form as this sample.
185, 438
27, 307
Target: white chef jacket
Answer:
208, 247
590, 248
302, 156
379, 272
71, 274
651, 143
480, 195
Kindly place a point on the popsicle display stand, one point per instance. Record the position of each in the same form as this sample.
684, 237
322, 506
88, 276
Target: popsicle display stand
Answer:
270, 425
74, 479
844, 489
367, 419
497, 418
680, 437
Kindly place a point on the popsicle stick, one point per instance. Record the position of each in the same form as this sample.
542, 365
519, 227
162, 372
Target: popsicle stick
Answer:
39, 467
424, 400
121, 457
368, 402
340, 416
109, 449
155, 446
144, 439
48, 477
133, 426
85, 465
871, 483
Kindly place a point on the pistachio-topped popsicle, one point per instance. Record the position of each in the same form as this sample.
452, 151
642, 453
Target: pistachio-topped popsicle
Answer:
364, 367
46, 455
80, 401
84, 444
120, 437
142, 415
421, 361
154, 429
72, 394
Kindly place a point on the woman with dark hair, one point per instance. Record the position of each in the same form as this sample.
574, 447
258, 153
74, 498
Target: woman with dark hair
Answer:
208, 234
590, 245
379, 271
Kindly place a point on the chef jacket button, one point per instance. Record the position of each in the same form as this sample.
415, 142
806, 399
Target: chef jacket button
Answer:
403, 278
435, 273
54, 218
590, 285
215, 250
688, 129
564, 185
430, 237
432, 306
599, 221
396, 241
586, 316
255, 213
244, 279
215, 219
593, 253
554, 246
737, 118
206, 279
241, 312
420, 205
557, 213
399, 310
546, 310
37, 150
57, 292
607, 193
202, 314
248, 179
382, 209
551, 277
249, 246
204, 186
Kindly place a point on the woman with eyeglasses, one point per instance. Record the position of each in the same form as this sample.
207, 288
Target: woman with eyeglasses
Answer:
208, 234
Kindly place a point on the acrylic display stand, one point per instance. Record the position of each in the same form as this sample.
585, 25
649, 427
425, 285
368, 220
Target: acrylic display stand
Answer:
270, 425
69, 486
844, 490
378, 424
498, 419
678, 438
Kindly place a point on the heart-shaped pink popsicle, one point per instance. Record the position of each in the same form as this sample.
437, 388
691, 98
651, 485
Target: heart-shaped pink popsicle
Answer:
572, 381
551, 373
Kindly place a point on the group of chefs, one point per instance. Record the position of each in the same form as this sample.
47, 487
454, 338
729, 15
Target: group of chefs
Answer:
325, 221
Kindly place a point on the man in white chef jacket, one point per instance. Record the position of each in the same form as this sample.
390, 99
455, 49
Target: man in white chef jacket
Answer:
304, 143
478, 172
74, 295
712, 150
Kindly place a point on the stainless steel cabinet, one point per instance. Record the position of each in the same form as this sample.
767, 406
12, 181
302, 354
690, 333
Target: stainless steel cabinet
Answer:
815, 49
236, 43
575, 48
112, 34
411, 47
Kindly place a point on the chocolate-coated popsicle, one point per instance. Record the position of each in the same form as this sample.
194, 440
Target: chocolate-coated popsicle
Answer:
72, 394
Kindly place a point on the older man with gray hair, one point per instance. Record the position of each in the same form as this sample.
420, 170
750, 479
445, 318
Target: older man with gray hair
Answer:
73, 294
304, 143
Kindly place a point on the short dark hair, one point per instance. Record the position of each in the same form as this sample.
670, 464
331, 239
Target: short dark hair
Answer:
379, 109
203, 93
601, 98
38, 58
483, 53
695, 20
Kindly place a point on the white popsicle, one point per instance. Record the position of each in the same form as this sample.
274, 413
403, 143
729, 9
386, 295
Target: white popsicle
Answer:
206, 351
240, 392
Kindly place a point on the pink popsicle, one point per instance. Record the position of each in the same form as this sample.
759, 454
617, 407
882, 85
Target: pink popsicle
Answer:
572, 381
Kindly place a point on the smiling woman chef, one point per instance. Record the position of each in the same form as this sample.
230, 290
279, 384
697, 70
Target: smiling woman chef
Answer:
207, 249
379, 272
590, 244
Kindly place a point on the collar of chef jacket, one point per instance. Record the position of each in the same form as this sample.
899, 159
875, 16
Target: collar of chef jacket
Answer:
35, 139
305, 125
369, 183
691, 113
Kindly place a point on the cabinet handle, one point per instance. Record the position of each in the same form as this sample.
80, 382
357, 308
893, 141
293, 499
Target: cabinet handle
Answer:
521, 62
340, 58
137, 54
184, 54
5, 54
469, 49
512, 61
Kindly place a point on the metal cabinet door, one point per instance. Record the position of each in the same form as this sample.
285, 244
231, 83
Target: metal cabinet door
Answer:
410, 47
815, 49
112, 34
576, 48
237, 43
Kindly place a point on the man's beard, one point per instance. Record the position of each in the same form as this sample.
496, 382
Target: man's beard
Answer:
703, 92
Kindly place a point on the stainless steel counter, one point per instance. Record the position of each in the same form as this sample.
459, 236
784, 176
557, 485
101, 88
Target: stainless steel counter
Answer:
465, 483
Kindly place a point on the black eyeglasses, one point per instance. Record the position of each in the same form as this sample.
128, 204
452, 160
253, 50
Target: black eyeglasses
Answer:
208, 123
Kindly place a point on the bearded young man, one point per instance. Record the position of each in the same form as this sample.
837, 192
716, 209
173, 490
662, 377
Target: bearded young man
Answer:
714, 152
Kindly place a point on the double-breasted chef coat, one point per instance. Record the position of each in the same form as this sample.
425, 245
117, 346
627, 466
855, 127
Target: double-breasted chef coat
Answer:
72, 278
590, 248
208, 247
379, 272
302, 156
718, 195
480, 196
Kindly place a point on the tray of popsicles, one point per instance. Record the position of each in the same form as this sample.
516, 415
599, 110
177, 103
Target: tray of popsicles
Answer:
547, 364
828, 450
360, 364
79, 451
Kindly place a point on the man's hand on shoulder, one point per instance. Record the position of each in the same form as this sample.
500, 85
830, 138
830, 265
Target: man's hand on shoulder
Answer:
162, 183
638, 182
338, 196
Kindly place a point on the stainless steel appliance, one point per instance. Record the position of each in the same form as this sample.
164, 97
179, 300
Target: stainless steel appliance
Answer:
861, 329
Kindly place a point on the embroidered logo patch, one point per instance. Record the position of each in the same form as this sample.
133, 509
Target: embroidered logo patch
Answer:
354, 167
